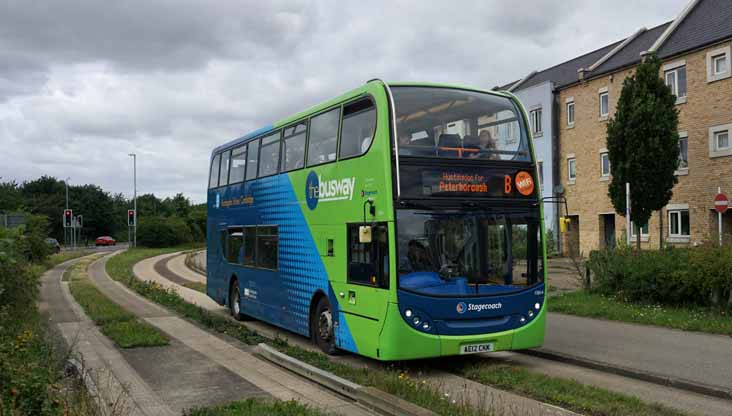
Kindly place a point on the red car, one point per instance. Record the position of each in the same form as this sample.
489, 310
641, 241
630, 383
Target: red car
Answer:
105, 241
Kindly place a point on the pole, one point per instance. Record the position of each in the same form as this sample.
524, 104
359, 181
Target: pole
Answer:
66, 232
719, 219
628, 231
134, 182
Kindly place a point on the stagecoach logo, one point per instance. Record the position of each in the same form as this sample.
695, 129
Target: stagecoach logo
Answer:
462, 307
319, 190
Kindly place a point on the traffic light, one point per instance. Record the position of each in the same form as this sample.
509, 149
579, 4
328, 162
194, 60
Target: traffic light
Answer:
68, 218
80, 221
131, 218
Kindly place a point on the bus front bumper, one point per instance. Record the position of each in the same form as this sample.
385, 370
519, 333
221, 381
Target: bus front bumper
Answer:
399, 341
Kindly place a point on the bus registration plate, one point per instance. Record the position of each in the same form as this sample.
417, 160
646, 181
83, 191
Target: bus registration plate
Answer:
476, 348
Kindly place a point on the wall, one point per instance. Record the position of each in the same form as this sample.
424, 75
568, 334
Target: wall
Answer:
707, 105
541, 95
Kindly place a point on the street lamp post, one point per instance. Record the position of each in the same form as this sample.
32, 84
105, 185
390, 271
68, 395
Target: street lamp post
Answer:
134, 181
66, 239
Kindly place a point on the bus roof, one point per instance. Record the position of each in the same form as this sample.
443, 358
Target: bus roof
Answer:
343, 97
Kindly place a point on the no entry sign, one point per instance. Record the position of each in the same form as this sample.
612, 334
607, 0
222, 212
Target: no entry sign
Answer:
721, 203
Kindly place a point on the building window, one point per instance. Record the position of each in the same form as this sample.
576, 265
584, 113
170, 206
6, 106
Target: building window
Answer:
605, 164
570, 113
634, 230
572, 169
535, 120
604, 104
718, 64
540, 173
683, 151
678, 223
676, 80
719, 140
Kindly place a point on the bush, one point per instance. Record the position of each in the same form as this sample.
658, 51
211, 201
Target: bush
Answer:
163, 232
671, 276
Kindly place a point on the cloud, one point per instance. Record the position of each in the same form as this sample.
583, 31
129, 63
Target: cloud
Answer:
83, 83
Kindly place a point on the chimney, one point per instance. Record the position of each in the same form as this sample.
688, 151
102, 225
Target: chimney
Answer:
581, 74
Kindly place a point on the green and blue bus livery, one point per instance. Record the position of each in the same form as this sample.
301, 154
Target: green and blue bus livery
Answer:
397, 221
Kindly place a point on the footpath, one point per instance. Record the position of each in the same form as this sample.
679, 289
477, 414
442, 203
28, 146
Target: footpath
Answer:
196, 369
691, 360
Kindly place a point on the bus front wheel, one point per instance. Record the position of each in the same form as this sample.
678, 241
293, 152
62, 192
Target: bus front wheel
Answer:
235, 301
322, 327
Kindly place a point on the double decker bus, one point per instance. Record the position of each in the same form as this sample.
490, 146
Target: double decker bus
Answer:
397, 221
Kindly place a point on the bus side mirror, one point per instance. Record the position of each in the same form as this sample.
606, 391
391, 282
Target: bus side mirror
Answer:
364, 234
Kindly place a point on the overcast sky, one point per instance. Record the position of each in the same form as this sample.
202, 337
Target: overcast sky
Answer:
84, 83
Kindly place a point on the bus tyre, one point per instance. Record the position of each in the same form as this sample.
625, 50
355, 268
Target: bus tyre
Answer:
322, 327
235, 301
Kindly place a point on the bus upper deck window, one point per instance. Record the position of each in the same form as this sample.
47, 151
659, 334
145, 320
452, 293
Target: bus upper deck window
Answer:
359, 122
323, 137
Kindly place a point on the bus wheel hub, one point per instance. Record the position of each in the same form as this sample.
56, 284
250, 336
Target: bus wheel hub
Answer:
325, 325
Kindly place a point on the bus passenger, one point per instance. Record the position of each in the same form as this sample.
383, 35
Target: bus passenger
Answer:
487, 143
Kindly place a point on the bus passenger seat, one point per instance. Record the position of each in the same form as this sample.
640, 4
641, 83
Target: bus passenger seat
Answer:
448, 145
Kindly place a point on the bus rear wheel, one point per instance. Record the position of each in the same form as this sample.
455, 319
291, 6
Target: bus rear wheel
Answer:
235, 301
322, 326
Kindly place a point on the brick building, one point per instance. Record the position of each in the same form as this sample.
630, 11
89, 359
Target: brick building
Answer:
695, 51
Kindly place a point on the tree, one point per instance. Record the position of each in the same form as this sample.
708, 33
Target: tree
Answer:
46, 196
10, 196
643, 144
96, 206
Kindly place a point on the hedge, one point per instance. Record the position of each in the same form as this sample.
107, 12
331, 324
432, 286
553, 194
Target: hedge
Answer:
672, 276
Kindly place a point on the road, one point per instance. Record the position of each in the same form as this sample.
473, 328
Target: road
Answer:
693, 357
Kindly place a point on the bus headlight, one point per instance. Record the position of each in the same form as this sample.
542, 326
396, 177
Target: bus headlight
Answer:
408, 313
531, 314
426, 325
416, 320
537, 306
522, 320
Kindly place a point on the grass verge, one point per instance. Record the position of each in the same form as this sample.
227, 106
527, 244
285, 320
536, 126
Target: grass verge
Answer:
31, 358
198, 286
569, 394
583, 303
120, 267
257, 407
117, 324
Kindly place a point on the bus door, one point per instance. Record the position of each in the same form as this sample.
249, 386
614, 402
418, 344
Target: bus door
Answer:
364, 296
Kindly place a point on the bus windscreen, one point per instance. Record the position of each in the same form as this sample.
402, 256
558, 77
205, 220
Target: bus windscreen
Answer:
458, 124
453, 253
